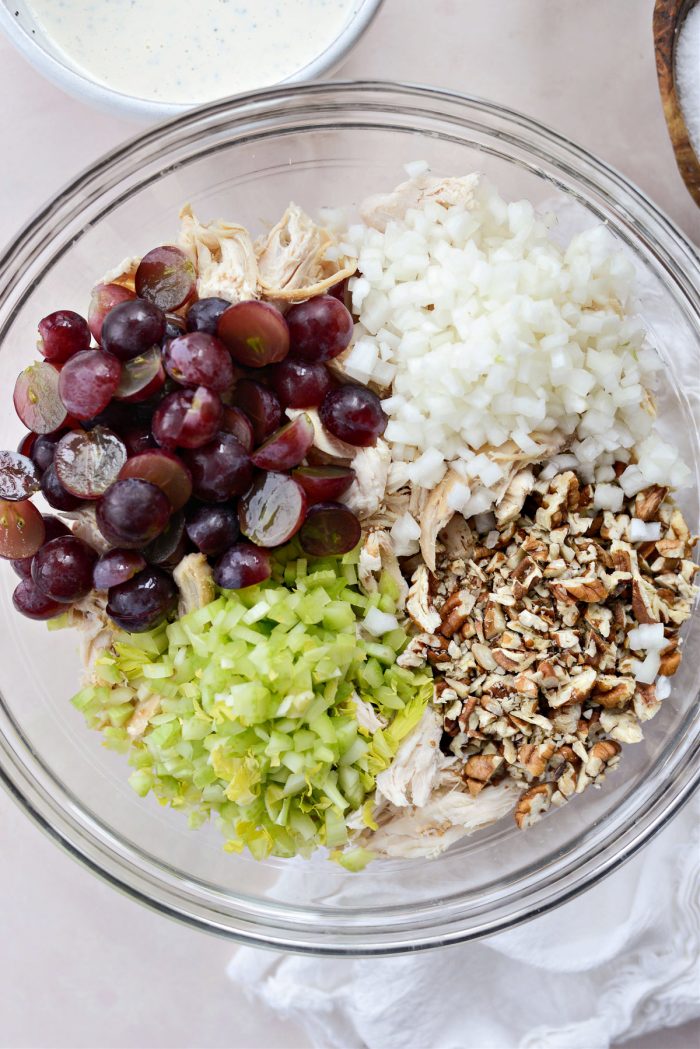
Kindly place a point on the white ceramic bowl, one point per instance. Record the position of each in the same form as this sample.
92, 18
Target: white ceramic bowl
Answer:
19, 25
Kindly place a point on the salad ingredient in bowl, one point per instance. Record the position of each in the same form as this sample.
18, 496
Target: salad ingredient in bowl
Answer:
394, 551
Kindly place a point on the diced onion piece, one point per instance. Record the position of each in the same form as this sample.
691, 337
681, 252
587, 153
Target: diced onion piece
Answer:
379, 623
644, 531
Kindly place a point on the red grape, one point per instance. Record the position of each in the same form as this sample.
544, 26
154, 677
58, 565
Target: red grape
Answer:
37, 400
166, 277
32, 603
19, 477
204, 314
260, 405
142, 377
237, 422
142, 602
255, 333
300, 384
319, 329
26, 445
323, 483
88, 381
62, 334
329, 528
22, 566
62, 569
287, 447
213, 529
105, 297
137, 439
22, 529
168, 548
187, 418
272, 510
44, 449
164, 470
55, 494
115, 567
242, 565
53, 528
340, 292
220, 469
132, 512
132, 328
353, 414
198, 359
87, 463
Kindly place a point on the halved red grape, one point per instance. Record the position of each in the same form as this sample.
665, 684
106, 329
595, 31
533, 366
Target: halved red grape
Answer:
103, 298
132, 328
324, 483
37, 399
88, 462
55, 494
142, 602
220, 469
272, 510
198, 359
117, 566
319, 329
213, 528
260, 405
204, 314
286, 447
62, 569
353, 414
340, 292
237, 422
142, 377
19, 477
166, 277
33, 603
255, 333
164, 470
170, 546
300, 384
62, 334
187, 418
242, 565
132, 512
53, 528
44, 449
329, 528
22, 529
88, 381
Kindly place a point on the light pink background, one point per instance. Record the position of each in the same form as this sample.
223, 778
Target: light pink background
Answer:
79, 964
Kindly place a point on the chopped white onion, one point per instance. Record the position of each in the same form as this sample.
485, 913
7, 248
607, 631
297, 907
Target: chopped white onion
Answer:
646, 672
378, 623
663, 687
648, 636
644, 531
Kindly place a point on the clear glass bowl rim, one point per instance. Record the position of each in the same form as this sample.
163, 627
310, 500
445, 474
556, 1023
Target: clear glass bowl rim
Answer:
154, 884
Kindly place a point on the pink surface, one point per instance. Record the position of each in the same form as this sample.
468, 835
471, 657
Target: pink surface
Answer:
79, 964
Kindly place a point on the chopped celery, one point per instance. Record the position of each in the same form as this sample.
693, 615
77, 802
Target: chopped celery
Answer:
255, 720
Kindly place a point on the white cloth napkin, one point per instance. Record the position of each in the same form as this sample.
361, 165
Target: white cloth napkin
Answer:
617, 962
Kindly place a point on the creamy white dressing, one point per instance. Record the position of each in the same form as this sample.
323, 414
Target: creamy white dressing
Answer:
189, 50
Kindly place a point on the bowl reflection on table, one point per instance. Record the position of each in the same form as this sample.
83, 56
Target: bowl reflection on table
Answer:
246, 159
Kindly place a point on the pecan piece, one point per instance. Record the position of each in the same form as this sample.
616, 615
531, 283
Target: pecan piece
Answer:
648, 501
479, 769
611, 691
601, 754
670, 659
534, 757
532, 805
587, 588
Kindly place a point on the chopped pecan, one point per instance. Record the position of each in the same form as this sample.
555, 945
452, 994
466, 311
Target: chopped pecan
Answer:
601, 754
670, 659
613, 691
648, 501
534, 757
532, 805
479, 769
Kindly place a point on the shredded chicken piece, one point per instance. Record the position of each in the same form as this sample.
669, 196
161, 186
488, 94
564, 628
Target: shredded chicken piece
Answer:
377, 211
367, 716
436, 515
195, 582
511, 502
420, 605
223, 256
324, 441
143, 712
446, 817
376, 556
293, 263
371, 466
83, 523
415, 771
123, 273
97, 631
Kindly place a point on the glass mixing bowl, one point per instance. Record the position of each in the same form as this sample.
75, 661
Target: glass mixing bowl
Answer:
331, 144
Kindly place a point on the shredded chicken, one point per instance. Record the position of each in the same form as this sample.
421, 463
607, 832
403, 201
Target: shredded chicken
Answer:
371, 466
293, 262
223, 255
367, 716
97, 630
379, 210
436, 515
123, 273
83, 523
415, 771
446, 817
143, 712
324, 441
195, 582
377, 556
